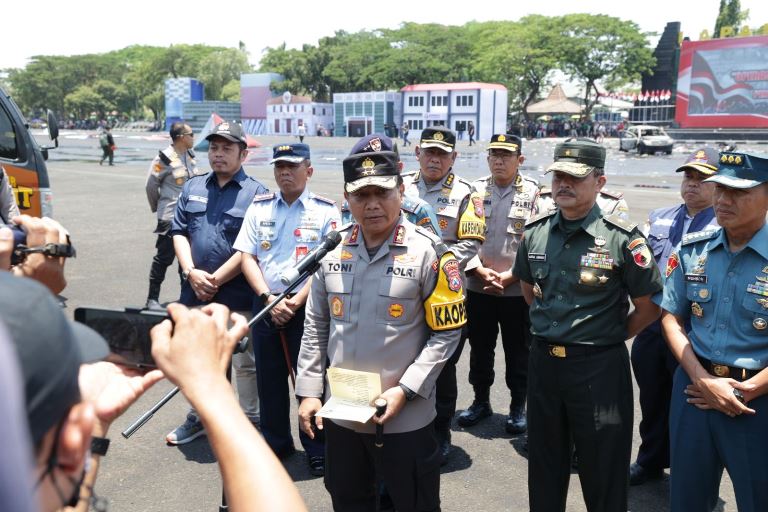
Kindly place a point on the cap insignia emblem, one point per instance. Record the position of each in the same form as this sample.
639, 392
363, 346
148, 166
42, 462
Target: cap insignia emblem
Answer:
701, 155
737, 160
567, 152
369, 167
502, 138
438, 136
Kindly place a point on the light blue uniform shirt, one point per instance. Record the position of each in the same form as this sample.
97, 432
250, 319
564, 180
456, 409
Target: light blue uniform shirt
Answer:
280, 235
724, 295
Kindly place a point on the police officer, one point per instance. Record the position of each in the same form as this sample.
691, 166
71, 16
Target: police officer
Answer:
208, 217
460, 217
718, 281
279, 230
610, 202
168, 172
652, 362
416, 210
388, 300
578, 269
494, 297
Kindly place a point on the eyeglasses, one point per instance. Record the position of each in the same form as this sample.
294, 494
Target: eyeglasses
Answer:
189, 133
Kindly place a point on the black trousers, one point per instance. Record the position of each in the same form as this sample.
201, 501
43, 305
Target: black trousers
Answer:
586, 400
408, 464
485, 313
162, 260
107, 153
654, 367
446, 393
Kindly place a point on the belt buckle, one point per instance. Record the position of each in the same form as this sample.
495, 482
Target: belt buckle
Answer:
721, 370
557, 351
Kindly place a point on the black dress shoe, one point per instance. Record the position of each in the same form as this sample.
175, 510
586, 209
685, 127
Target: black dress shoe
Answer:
638, 475
316, 465
444, 445
476, 412
516, 421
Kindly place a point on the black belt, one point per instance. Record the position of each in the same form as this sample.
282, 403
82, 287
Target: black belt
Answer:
563, 351
723, 370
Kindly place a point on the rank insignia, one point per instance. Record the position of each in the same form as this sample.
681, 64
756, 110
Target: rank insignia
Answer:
451, 269
672, 263
449, 180
703, 293
518, 180
443, 223
266, 245
763, 302
603, 279
399, 235
537, 291
696, 310
352, 240
369, 167
179, 181
337, 307
395, 310
762, 279
345, 255
759, 324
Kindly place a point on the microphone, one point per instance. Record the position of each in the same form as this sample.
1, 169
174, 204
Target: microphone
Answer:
311, 260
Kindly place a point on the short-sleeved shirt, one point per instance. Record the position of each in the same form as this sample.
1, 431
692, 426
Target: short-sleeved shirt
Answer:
453, 200
167, 174
280, 235
507, 210
582, 276
724, 296
210, 217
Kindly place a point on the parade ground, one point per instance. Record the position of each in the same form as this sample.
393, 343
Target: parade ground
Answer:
106, 211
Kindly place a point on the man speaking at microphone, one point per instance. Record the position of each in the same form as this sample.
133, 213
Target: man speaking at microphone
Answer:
390, 301
279, 230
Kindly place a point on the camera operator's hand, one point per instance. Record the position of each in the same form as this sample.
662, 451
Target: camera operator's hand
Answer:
196, 349
112, 389
45, 269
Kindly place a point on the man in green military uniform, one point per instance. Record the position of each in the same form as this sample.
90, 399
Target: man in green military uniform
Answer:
578, 271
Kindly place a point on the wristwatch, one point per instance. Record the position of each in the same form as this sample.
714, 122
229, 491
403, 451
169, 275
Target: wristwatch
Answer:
99, 445
265, 297
185, 273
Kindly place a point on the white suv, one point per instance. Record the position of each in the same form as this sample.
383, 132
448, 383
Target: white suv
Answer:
646, 139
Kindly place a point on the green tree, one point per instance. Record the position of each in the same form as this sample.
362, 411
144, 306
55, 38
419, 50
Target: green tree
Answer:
231, 91
729, 15
221, 67
84, 101
603, 48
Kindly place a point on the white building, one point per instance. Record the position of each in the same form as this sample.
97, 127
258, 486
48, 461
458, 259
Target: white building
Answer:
285, 113
454, 105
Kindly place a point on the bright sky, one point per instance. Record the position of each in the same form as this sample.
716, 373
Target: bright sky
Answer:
74, 27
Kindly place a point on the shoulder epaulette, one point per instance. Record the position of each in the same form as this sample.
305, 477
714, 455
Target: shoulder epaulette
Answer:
345, 227
545, 191
322, 199
409, 174
164, 158
437, 242
532, 180
612, 194
620, 223
698, 236
264, 197
191, 152
409, 204
541, 216
463, 181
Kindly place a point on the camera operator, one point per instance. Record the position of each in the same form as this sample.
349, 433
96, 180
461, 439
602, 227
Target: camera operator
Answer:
48, 270
71, 400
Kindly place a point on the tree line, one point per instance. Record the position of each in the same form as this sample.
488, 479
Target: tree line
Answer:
522, 55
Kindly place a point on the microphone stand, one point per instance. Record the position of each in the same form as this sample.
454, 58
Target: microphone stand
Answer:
136, 425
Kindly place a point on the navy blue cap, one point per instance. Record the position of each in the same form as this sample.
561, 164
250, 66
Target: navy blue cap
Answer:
704, 160
294, 153
506, 142
741, 170
374, 142
438, 137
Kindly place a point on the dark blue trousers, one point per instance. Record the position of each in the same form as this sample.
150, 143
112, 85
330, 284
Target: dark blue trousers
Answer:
703, 442
274, 392
654, 366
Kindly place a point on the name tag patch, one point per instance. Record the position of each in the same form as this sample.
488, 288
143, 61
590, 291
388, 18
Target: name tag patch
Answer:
696, 278
537, 256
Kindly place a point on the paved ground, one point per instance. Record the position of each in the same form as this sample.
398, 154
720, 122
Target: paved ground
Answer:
106, 211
